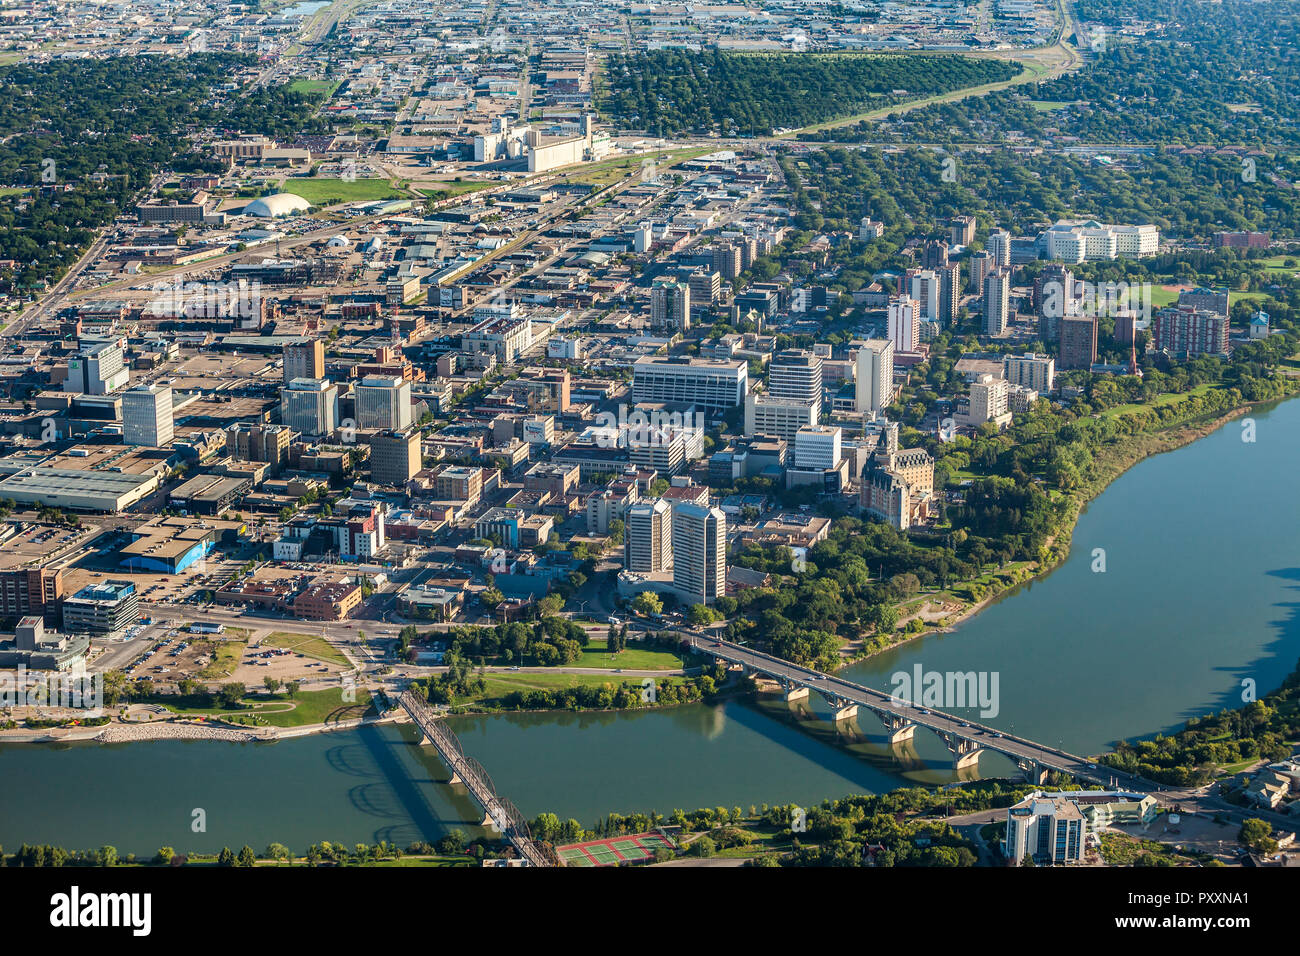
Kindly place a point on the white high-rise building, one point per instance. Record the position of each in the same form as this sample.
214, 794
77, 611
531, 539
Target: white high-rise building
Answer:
98, 368
904, 324
796, 375
716, 384
309, 406
818, 446
925, 291
999, 246
778, 417
648, 537
147, 415
699, 553
874, 387
383, 401
997, 301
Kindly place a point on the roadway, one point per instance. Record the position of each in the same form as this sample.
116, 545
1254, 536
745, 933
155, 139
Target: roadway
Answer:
954, 729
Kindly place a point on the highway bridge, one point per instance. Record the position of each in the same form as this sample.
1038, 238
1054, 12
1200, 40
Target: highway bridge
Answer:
500, 814
965, 739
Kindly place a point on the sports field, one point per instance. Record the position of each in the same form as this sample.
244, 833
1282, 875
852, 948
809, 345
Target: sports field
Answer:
615, 850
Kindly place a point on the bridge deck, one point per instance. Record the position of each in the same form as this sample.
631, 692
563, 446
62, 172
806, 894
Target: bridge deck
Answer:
502, 815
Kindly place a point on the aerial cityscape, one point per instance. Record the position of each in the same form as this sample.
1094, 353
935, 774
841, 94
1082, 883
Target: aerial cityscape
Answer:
592, 435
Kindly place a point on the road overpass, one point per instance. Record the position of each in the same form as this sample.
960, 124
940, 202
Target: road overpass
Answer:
500, 814
965, 739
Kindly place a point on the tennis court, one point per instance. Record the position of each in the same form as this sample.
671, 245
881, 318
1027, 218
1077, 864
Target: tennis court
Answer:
615, 850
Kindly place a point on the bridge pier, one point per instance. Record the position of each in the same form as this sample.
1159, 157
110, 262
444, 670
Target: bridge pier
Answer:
796, 693
1034, 772
897, 729
847, 712
965, 752
455, 779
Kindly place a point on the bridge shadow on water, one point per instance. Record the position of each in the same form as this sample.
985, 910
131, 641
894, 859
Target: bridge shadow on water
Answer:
850, 750
396, 795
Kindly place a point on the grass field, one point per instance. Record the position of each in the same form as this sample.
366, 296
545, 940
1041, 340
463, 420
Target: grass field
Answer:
324, 192
1160, 401
452, 189
633, 658
313, 645
314, 86
499, 685
611, 171
308, 707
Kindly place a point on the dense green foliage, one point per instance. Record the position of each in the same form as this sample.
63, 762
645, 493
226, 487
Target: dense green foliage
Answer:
1204, 73
84, 136
667, 92
1187, 197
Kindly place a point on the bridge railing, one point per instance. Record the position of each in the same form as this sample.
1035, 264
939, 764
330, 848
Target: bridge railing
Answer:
500, 809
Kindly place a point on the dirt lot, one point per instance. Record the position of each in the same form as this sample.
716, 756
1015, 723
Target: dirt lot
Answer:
261, 661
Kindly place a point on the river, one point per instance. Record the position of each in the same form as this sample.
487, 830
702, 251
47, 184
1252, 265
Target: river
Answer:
1200, 592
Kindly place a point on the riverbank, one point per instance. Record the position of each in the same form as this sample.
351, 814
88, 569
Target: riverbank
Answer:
1111, 461
120, 732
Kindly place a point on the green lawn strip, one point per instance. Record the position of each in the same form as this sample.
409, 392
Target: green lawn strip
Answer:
310, 645
596, 654
450, 189
501, 685
324, 192
307, 707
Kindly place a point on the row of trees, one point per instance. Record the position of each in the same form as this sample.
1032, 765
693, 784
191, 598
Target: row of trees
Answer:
671, 91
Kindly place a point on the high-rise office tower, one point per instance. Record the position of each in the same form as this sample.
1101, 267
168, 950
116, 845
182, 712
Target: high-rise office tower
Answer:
383, 401
699, 553
874, 387
997, 301
147, 415
310, 406
648, 537
304, 359
670, 305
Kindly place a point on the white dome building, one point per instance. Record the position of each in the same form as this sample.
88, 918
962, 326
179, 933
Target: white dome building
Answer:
339, 242
279, 204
